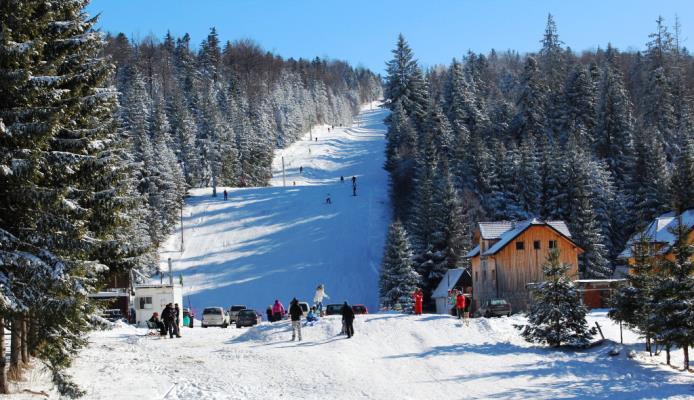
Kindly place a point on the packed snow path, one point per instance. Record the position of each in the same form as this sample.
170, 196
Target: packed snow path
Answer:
280, 242
391, 356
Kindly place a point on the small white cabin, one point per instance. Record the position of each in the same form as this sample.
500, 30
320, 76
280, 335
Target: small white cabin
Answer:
153, 298
456, 278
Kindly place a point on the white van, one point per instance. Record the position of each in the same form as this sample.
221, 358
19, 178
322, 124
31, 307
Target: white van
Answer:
214, 316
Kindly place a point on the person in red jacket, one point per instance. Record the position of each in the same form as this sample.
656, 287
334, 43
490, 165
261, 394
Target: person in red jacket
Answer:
460, 304
418, 296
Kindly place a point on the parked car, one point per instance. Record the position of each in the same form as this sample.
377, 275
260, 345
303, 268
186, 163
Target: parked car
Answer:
305, 308
333, 309
187, 312
214, 316
234, 312
360, 309
112, 315
248, 317
494, 307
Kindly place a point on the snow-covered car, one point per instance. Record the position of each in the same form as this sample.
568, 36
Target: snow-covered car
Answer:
494, 308
360, 309
333, 309
248, 317
214, 316
234, 312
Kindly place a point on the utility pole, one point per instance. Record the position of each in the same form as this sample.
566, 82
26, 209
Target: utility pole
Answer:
284, 179
181, 226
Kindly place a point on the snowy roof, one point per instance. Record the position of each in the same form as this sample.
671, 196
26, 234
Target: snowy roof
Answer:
494, 230
658, 231
450, 278
516, 228
475, 251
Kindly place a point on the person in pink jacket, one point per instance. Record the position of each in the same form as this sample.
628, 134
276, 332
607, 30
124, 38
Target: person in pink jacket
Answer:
278, 310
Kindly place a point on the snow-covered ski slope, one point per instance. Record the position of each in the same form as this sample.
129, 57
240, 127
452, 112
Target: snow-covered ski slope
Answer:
279, 242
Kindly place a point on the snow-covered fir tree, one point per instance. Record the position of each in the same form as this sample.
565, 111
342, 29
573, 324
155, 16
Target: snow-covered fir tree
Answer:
556, 315
398, 279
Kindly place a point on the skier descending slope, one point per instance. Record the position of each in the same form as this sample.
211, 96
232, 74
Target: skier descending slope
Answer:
318, 298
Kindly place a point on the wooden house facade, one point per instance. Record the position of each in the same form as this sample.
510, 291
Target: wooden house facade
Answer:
658, 236
509, 257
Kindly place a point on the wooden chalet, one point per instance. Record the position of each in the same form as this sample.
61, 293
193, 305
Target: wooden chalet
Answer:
658, 236
509, 257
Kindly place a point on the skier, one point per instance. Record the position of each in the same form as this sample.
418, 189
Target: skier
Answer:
177, 324
327, 200
318, 298
418, 296
277, 311
354, 186
348, 319
301, 169
316, 138
342, 179
268, 311
295, 314
460, 304
225, 194
169, 319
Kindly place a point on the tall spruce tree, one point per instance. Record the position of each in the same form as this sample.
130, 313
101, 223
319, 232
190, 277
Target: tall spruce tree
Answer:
398, 279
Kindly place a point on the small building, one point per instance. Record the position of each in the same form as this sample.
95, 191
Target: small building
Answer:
153, 298
509, 257
115, 299
597, 293
658, 236
456, 278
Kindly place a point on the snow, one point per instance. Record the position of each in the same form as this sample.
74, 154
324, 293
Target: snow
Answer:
280, 242
391, 356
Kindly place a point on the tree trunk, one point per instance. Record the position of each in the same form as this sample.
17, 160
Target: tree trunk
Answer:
685, 349
25, 336
32, 336
648, 345
15, 373
667, 354
3, 377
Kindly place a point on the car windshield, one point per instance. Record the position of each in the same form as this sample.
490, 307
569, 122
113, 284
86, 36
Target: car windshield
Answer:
334, 308
212, 311
498, 302
247, 313
358, 308
238, 308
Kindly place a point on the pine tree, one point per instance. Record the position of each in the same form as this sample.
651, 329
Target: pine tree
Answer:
398, 280
671, 318
556, 316
532, 104
682, 184
649, 179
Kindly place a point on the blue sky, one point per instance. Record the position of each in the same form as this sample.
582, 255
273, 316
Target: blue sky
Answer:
363, 32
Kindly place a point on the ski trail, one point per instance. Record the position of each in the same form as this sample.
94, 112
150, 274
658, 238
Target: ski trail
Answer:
278, 242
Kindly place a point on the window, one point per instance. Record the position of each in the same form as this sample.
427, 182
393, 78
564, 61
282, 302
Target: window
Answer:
536, 245
520, 245
145, 303
552, 244
477, 276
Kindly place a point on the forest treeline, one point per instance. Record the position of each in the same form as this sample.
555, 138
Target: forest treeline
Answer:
100, 137
601, 139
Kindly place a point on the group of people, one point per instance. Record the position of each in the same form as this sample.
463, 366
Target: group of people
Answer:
169, 322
